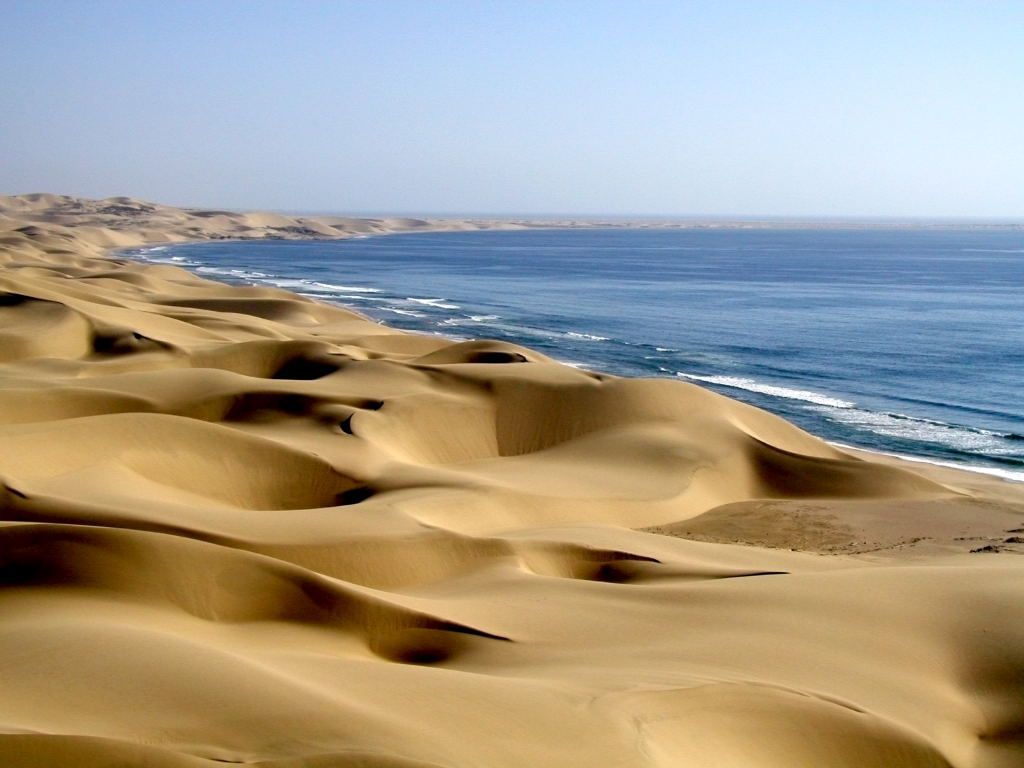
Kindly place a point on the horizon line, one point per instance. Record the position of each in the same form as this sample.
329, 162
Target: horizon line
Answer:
579, 215
660, 217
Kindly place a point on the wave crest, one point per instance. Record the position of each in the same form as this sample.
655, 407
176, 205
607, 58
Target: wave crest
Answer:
787, 393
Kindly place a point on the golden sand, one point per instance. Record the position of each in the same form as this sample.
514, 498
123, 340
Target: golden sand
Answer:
241, 526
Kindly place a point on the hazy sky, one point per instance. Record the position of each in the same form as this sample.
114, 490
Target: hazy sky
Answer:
629, 107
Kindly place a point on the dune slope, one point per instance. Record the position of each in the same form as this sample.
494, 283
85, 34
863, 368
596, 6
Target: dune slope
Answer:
240, 526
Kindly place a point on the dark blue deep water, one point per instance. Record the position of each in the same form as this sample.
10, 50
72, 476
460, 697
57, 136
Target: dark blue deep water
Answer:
905, 341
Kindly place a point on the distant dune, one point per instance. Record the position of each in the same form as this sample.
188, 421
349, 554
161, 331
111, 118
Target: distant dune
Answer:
241, 526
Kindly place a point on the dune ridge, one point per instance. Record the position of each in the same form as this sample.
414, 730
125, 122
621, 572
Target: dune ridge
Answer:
241, 526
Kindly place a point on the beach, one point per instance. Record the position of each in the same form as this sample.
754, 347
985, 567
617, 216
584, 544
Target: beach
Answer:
244, 526
899, 341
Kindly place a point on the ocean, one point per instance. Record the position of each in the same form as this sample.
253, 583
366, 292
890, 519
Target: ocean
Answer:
905, 341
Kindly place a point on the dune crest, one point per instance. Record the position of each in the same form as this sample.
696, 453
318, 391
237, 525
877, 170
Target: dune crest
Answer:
242, 526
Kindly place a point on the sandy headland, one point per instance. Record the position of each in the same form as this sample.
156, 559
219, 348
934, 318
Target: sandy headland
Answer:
241, 526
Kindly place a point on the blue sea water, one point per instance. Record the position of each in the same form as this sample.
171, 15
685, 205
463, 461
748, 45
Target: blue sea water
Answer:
907, 341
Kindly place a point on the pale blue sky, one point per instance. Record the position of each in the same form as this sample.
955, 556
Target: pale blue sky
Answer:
630, 107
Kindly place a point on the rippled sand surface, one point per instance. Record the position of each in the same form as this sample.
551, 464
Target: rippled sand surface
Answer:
240, 526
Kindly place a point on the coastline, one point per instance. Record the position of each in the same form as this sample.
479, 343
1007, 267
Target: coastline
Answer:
241, 525
1006, 476
290, 280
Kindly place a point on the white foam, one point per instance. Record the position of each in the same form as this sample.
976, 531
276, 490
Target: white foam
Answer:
1005, 474
992, 250
407, 312
358, 297
439, 303
468, 319
452, 336
585, 336
234, 273
921, 430
736, 382
347, 288
291, 282
178, 261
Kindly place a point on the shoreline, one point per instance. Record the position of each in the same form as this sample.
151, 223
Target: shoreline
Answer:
243, 526
1007, 475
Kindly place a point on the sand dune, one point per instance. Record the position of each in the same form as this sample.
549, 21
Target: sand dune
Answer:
240, 526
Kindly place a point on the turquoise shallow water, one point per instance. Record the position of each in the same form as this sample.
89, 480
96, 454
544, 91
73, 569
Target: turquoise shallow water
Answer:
904, 341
